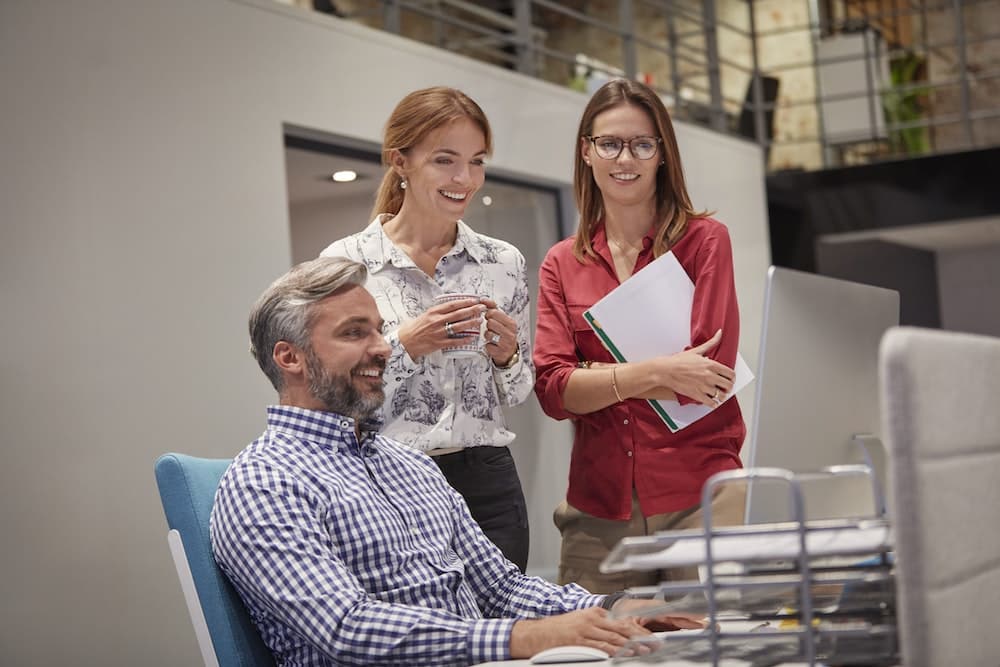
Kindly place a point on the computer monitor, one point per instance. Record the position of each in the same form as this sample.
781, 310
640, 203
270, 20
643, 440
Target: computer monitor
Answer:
817, 390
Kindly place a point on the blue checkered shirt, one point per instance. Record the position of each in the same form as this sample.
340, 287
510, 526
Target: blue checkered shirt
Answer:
360, 553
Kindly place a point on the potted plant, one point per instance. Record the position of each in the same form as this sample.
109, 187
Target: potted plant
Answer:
906, 103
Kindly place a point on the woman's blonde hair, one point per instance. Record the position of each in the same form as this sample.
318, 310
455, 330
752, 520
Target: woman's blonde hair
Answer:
416, 116
673, 204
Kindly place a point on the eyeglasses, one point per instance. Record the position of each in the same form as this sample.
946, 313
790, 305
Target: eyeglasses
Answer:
610, 147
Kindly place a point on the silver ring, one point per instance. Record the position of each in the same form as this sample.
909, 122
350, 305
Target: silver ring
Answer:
451, 332
495, 339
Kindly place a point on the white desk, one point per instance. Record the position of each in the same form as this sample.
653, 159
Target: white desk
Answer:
644, 663
734, 626
730, 625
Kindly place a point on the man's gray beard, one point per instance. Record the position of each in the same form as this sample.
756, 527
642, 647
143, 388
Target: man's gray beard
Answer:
338, 394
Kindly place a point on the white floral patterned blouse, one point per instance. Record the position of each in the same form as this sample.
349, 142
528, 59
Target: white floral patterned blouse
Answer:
437, 402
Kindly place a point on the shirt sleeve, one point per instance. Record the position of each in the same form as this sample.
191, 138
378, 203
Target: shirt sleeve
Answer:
268, 537
555, 351
400, 365
514, 383
715, 305
501, 590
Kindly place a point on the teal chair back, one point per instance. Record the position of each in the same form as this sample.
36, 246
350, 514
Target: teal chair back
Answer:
226, 635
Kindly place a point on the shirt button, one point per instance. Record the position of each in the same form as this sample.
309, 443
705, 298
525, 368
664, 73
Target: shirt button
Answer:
625, 422
630, 454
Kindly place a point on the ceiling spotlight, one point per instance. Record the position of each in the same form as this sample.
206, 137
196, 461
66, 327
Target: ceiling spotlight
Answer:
487, 200
345, 176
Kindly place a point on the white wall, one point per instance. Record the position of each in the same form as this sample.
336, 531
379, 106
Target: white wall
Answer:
143, 208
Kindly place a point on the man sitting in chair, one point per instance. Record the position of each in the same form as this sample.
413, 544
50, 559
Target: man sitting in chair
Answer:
351, 549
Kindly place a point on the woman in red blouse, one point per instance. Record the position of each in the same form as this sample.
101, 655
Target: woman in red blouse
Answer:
629, 475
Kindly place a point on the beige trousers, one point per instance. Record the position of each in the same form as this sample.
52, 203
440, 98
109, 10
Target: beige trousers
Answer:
587, 540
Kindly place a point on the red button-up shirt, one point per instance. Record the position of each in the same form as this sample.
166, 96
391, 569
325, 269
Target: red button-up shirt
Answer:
626, 445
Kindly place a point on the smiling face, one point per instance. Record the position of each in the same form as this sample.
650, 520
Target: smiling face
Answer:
346, 354
443, 171
625, 180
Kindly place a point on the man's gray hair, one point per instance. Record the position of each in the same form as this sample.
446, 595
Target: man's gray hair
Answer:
284, 311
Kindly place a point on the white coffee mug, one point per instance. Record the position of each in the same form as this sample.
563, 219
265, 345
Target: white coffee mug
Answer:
466, 345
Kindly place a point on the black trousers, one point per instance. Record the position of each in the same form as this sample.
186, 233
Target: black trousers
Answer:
487, 479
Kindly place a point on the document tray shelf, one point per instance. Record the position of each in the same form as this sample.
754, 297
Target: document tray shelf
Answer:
812, 592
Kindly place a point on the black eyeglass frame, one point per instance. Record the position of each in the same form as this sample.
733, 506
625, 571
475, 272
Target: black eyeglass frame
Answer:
625, 142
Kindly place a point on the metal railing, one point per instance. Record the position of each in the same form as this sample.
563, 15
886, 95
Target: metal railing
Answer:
814, 90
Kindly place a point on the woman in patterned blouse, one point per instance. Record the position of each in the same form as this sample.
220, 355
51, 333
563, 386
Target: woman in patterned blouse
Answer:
417, 248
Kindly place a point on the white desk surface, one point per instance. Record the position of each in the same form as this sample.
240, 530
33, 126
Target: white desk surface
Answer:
644, 663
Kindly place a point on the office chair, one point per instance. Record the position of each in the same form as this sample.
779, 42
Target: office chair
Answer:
226, 635
939, 397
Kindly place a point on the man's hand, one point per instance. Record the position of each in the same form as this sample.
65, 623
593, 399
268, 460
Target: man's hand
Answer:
637, 608
585, 627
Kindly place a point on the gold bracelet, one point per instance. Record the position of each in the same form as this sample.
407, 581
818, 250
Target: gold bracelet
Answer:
614, 383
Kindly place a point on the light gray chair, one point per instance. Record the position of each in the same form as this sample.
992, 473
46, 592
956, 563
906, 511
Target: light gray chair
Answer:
940, 396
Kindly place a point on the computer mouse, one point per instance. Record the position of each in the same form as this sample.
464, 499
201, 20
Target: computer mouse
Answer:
563, 654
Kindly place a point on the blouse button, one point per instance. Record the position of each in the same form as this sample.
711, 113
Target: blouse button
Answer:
625, 422
630, 454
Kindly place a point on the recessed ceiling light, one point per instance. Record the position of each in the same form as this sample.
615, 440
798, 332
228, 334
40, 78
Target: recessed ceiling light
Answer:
345, 176
487, 200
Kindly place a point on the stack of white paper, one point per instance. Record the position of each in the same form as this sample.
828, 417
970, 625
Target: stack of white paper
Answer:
765, 546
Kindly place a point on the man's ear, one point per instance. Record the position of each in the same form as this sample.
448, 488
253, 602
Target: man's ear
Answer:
289, 358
